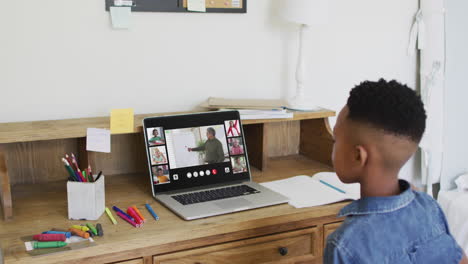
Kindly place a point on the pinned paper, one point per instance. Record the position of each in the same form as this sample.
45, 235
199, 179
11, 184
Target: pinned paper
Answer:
123, 2
120, 16
98, 140
196, 5
122, 121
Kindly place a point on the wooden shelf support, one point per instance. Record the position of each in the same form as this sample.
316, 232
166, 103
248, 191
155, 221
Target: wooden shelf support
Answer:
257, 144
5, 188
316, 140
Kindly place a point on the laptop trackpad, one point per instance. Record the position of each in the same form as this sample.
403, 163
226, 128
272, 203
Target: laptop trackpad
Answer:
239, 203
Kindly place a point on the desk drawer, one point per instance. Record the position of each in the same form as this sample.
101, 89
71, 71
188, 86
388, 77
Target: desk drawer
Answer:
301, 244
328, 229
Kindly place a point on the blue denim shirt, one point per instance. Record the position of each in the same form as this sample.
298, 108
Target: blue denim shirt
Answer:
406, 228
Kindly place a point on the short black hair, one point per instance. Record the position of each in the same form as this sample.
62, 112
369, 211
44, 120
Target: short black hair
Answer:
211, 130
390, 106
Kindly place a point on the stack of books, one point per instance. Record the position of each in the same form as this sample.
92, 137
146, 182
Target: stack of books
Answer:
251, 108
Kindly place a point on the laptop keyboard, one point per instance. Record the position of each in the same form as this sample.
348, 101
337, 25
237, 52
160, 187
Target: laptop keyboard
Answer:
215, 194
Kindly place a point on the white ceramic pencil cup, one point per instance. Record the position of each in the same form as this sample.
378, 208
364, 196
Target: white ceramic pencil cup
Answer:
86, 200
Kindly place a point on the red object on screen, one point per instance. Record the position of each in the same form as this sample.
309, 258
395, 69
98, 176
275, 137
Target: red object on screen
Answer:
214, 171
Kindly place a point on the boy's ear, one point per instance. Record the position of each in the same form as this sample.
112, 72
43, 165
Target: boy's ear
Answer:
361, 155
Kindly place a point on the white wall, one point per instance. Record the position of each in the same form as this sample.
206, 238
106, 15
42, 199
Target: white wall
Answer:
456, 93
61, 59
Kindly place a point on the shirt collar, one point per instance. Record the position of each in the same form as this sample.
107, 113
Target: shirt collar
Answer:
376, 205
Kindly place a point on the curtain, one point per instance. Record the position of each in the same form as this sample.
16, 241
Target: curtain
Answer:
428, 36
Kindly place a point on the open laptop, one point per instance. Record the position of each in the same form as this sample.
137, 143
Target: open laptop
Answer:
199, 165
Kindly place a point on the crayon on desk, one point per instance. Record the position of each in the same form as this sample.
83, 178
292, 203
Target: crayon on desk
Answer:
109, 213
79, 232
67, 234
54, 244
49, 237
156, 217
82, 228
92, 228
124, 217
117, 210
100, 230
135, 216
139, 214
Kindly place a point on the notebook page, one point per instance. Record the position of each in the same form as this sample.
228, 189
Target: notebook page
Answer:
303, 191
353, 190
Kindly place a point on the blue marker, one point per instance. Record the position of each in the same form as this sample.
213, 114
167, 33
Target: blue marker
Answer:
122, 212
67, 234
156, 217
333, 187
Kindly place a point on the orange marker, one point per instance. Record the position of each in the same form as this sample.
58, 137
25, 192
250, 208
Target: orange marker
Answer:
78, 232
139, 214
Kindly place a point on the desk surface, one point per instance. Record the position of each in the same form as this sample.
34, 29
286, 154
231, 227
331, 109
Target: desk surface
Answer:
41, 207
76, 128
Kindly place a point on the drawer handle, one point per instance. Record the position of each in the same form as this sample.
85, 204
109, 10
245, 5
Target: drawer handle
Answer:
283, 251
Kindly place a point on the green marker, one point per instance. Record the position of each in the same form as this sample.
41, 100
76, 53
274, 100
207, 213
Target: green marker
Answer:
92, 228
51, 244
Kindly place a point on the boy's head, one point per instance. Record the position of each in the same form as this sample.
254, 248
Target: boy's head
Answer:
378, 130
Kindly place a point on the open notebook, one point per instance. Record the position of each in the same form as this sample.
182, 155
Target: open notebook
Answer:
306, 191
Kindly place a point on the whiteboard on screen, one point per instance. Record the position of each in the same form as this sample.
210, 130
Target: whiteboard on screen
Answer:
182, 157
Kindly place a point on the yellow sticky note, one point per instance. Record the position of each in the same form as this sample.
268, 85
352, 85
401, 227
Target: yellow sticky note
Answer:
122, 121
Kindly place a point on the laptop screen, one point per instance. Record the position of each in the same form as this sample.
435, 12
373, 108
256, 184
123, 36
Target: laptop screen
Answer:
186, 151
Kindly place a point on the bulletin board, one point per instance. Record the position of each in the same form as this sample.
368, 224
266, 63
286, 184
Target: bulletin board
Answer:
212, 6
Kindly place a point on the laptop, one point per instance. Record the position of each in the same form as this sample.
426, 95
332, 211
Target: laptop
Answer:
199, 167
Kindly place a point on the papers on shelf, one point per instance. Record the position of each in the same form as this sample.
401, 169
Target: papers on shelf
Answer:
254, 108
264, 104
307, 191
263, 114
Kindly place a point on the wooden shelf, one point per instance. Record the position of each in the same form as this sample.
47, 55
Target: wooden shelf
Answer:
76, 128
39, 207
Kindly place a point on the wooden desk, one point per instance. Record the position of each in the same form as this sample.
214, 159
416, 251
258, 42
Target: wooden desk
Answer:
253, 236
32, 184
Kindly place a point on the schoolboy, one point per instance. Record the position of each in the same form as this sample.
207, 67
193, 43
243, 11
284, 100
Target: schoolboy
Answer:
376, 133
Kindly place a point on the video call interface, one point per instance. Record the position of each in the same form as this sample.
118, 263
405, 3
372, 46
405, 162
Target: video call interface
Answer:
188, 154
